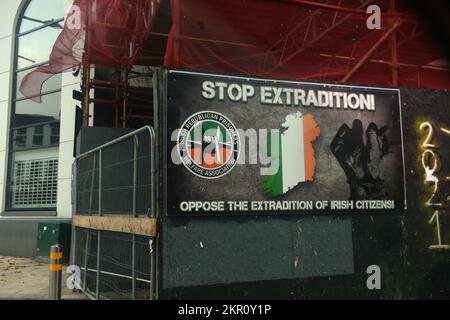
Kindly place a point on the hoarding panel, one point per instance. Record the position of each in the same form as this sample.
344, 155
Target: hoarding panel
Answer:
239, 146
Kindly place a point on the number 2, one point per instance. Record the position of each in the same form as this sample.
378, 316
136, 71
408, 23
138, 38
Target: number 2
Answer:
427, 143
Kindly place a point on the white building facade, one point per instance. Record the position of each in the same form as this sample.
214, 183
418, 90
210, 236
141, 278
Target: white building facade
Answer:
36, 139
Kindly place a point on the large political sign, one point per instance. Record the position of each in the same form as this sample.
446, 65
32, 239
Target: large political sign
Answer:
241, 146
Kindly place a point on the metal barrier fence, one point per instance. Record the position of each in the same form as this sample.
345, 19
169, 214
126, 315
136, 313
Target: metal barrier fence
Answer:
113, 183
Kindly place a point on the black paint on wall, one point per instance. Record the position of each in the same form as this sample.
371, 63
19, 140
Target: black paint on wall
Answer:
223, 257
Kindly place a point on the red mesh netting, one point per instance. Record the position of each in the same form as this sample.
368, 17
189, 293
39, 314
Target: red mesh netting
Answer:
296, 39
116, 32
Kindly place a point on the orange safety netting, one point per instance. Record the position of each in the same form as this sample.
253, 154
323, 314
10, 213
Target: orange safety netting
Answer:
116, 30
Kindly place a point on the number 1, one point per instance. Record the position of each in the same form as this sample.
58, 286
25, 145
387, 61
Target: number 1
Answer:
439, 246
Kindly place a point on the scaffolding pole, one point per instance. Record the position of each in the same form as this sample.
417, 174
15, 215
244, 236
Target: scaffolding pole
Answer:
369, 53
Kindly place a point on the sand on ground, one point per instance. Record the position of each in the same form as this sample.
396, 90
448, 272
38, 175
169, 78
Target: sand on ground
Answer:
27, 279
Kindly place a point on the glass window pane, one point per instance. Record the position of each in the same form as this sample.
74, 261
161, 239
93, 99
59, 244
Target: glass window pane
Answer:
34, 137
29, 113
36, 125
30, 137
38, 130
40, 12
20, 138
38, 141
36, 47
51, 84
55, 134
38, 137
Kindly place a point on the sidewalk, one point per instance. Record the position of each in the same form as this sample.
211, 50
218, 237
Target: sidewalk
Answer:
24, 278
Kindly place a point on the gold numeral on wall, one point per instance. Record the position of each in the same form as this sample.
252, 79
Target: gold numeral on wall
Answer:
427, 143
440, 246
431, 163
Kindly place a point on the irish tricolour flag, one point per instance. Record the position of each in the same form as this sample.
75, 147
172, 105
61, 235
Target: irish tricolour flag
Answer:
294, 154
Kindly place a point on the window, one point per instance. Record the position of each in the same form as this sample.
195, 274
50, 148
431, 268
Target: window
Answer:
20, 138
38, 137
34, 138
54, 138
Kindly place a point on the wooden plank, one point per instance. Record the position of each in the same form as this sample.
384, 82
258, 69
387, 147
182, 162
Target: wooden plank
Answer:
141, 226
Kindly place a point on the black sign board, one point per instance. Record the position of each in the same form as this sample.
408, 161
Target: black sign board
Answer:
237, 146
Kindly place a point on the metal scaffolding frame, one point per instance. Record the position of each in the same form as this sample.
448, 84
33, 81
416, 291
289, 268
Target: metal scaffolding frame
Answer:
312, 34
120, 102
325, 17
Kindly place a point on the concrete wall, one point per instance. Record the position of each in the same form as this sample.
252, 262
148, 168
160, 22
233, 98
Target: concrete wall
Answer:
23, 245
20, 229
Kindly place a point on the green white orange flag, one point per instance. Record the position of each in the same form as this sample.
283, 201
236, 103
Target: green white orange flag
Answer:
296, 158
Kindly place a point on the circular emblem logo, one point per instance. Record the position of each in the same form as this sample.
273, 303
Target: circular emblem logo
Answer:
208, 144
